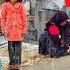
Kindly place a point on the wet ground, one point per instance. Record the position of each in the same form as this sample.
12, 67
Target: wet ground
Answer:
52, 64
31, 60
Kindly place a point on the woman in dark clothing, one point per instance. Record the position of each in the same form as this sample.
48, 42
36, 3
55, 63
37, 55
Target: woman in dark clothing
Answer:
51, 41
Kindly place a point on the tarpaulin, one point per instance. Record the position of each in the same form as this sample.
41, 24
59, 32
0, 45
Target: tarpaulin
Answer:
67, 3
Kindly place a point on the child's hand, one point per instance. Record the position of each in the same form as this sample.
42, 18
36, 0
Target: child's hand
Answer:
23, 35
6, 35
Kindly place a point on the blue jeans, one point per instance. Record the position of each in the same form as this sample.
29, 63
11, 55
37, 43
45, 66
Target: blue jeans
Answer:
14, 49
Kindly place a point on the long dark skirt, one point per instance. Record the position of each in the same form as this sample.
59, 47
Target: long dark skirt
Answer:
47, 47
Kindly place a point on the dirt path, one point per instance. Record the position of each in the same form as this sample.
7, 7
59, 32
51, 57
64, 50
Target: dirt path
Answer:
31, 60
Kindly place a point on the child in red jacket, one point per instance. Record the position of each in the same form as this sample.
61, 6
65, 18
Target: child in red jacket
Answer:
14, 28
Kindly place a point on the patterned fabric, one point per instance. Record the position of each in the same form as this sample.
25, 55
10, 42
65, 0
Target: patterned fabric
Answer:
47, 47
67, 34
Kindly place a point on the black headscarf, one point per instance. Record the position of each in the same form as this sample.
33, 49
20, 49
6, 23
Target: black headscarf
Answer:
59, 17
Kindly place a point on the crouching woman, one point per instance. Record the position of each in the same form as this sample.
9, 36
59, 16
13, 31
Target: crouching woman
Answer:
51, 41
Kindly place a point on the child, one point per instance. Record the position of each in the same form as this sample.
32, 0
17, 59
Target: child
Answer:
50, 41
14, 28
